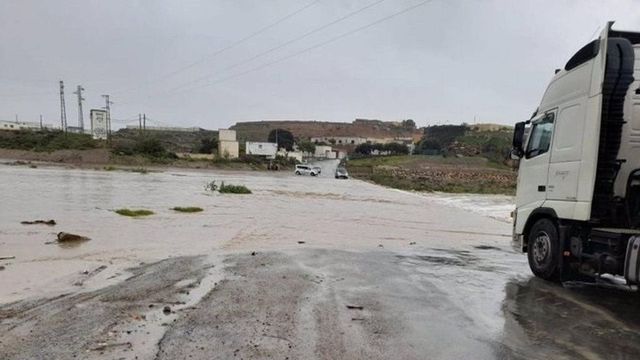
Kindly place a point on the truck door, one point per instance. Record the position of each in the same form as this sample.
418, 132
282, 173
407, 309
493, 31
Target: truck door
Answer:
534, 166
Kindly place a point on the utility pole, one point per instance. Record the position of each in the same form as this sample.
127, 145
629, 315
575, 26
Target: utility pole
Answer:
107, 107
63, 110
144, 122
140, 123
80, 115
40, 121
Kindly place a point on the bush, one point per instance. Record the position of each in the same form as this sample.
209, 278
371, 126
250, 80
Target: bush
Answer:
207, 146
134, 213
146, 146
233, 189
188, 209
46, 140
212, 186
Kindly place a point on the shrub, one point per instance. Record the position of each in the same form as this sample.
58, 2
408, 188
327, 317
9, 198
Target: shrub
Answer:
233, 189
212, 186
46, 140
134, 213
188, 209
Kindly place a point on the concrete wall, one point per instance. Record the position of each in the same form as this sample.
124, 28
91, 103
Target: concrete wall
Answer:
291, 154
226, 135
228, 149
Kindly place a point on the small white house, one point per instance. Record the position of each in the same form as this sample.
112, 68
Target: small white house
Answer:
267, 149
22, 125
322, 151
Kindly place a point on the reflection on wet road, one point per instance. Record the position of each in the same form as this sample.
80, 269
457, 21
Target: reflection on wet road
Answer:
302, 268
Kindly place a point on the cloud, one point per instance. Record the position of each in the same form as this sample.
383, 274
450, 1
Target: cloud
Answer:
446, 61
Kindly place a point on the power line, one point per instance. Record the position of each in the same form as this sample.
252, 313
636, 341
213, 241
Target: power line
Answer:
305, 50
288, 42
226, 48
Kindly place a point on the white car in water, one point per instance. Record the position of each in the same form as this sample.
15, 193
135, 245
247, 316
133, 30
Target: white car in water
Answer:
306, 170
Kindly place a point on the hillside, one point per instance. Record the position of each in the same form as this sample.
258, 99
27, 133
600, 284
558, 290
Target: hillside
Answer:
484, 140
259, 130
174, 141
435, 173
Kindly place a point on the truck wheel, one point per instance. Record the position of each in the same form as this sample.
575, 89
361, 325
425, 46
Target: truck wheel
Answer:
298, 173
543, 250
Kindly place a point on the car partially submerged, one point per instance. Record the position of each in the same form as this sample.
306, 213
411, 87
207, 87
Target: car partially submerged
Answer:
306, 170
341, 173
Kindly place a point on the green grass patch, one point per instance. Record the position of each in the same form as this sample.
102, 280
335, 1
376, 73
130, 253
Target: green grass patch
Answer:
188, 209
134, 213
46, 140
233, 189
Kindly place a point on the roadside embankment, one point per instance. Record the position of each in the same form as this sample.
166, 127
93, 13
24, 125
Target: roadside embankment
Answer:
435, 173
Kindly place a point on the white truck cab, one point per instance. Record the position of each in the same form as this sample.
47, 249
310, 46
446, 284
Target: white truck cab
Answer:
578, 193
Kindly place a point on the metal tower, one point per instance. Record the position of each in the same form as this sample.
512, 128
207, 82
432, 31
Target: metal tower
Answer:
63, 110
80, 114
107, 107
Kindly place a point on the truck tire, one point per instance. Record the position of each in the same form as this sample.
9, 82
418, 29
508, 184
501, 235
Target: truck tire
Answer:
543, 252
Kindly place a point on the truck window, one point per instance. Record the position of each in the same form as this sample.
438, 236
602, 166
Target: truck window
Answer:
540, 137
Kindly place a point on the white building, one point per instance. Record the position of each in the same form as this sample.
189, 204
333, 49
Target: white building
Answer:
339, 140
19, 125
267, 149
228, 147
323, 151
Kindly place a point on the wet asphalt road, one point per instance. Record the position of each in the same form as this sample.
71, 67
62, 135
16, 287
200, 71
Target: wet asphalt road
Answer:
357, 290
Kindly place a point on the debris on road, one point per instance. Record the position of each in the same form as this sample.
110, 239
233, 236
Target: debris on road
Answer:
68, 237
166, 310
412, 243
7, 257
355, 307
253, 253
50, 222
89, 274
301, 242
2, 268
105, 346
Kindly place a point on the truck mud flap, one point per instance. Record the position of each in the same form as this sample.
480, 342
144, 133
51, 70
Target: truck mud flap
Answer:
632, 261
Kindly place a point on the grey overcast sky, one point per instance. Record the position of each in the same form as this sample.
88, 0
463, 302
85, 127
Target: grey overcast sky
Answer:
445, 61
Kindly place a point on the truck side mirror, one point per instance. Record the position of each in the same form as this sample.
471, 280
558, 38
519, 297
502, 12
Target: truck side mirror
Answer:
518, 141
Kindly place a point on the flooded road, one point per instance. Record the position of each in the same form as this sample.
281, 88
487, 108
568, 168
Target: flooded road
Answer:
302, 268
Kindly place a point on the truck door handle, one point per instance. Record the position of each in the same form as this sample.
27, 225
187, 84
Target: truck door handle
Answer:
542, 188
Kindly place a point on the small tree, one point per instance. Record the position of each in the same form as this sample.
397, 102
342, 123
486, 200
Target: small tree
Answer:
284, 138
207, 146
307, 146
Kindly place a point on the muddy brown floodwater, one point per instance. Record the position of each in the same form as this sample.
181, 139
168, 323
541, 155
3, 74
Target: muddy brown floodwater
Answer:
303, 268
